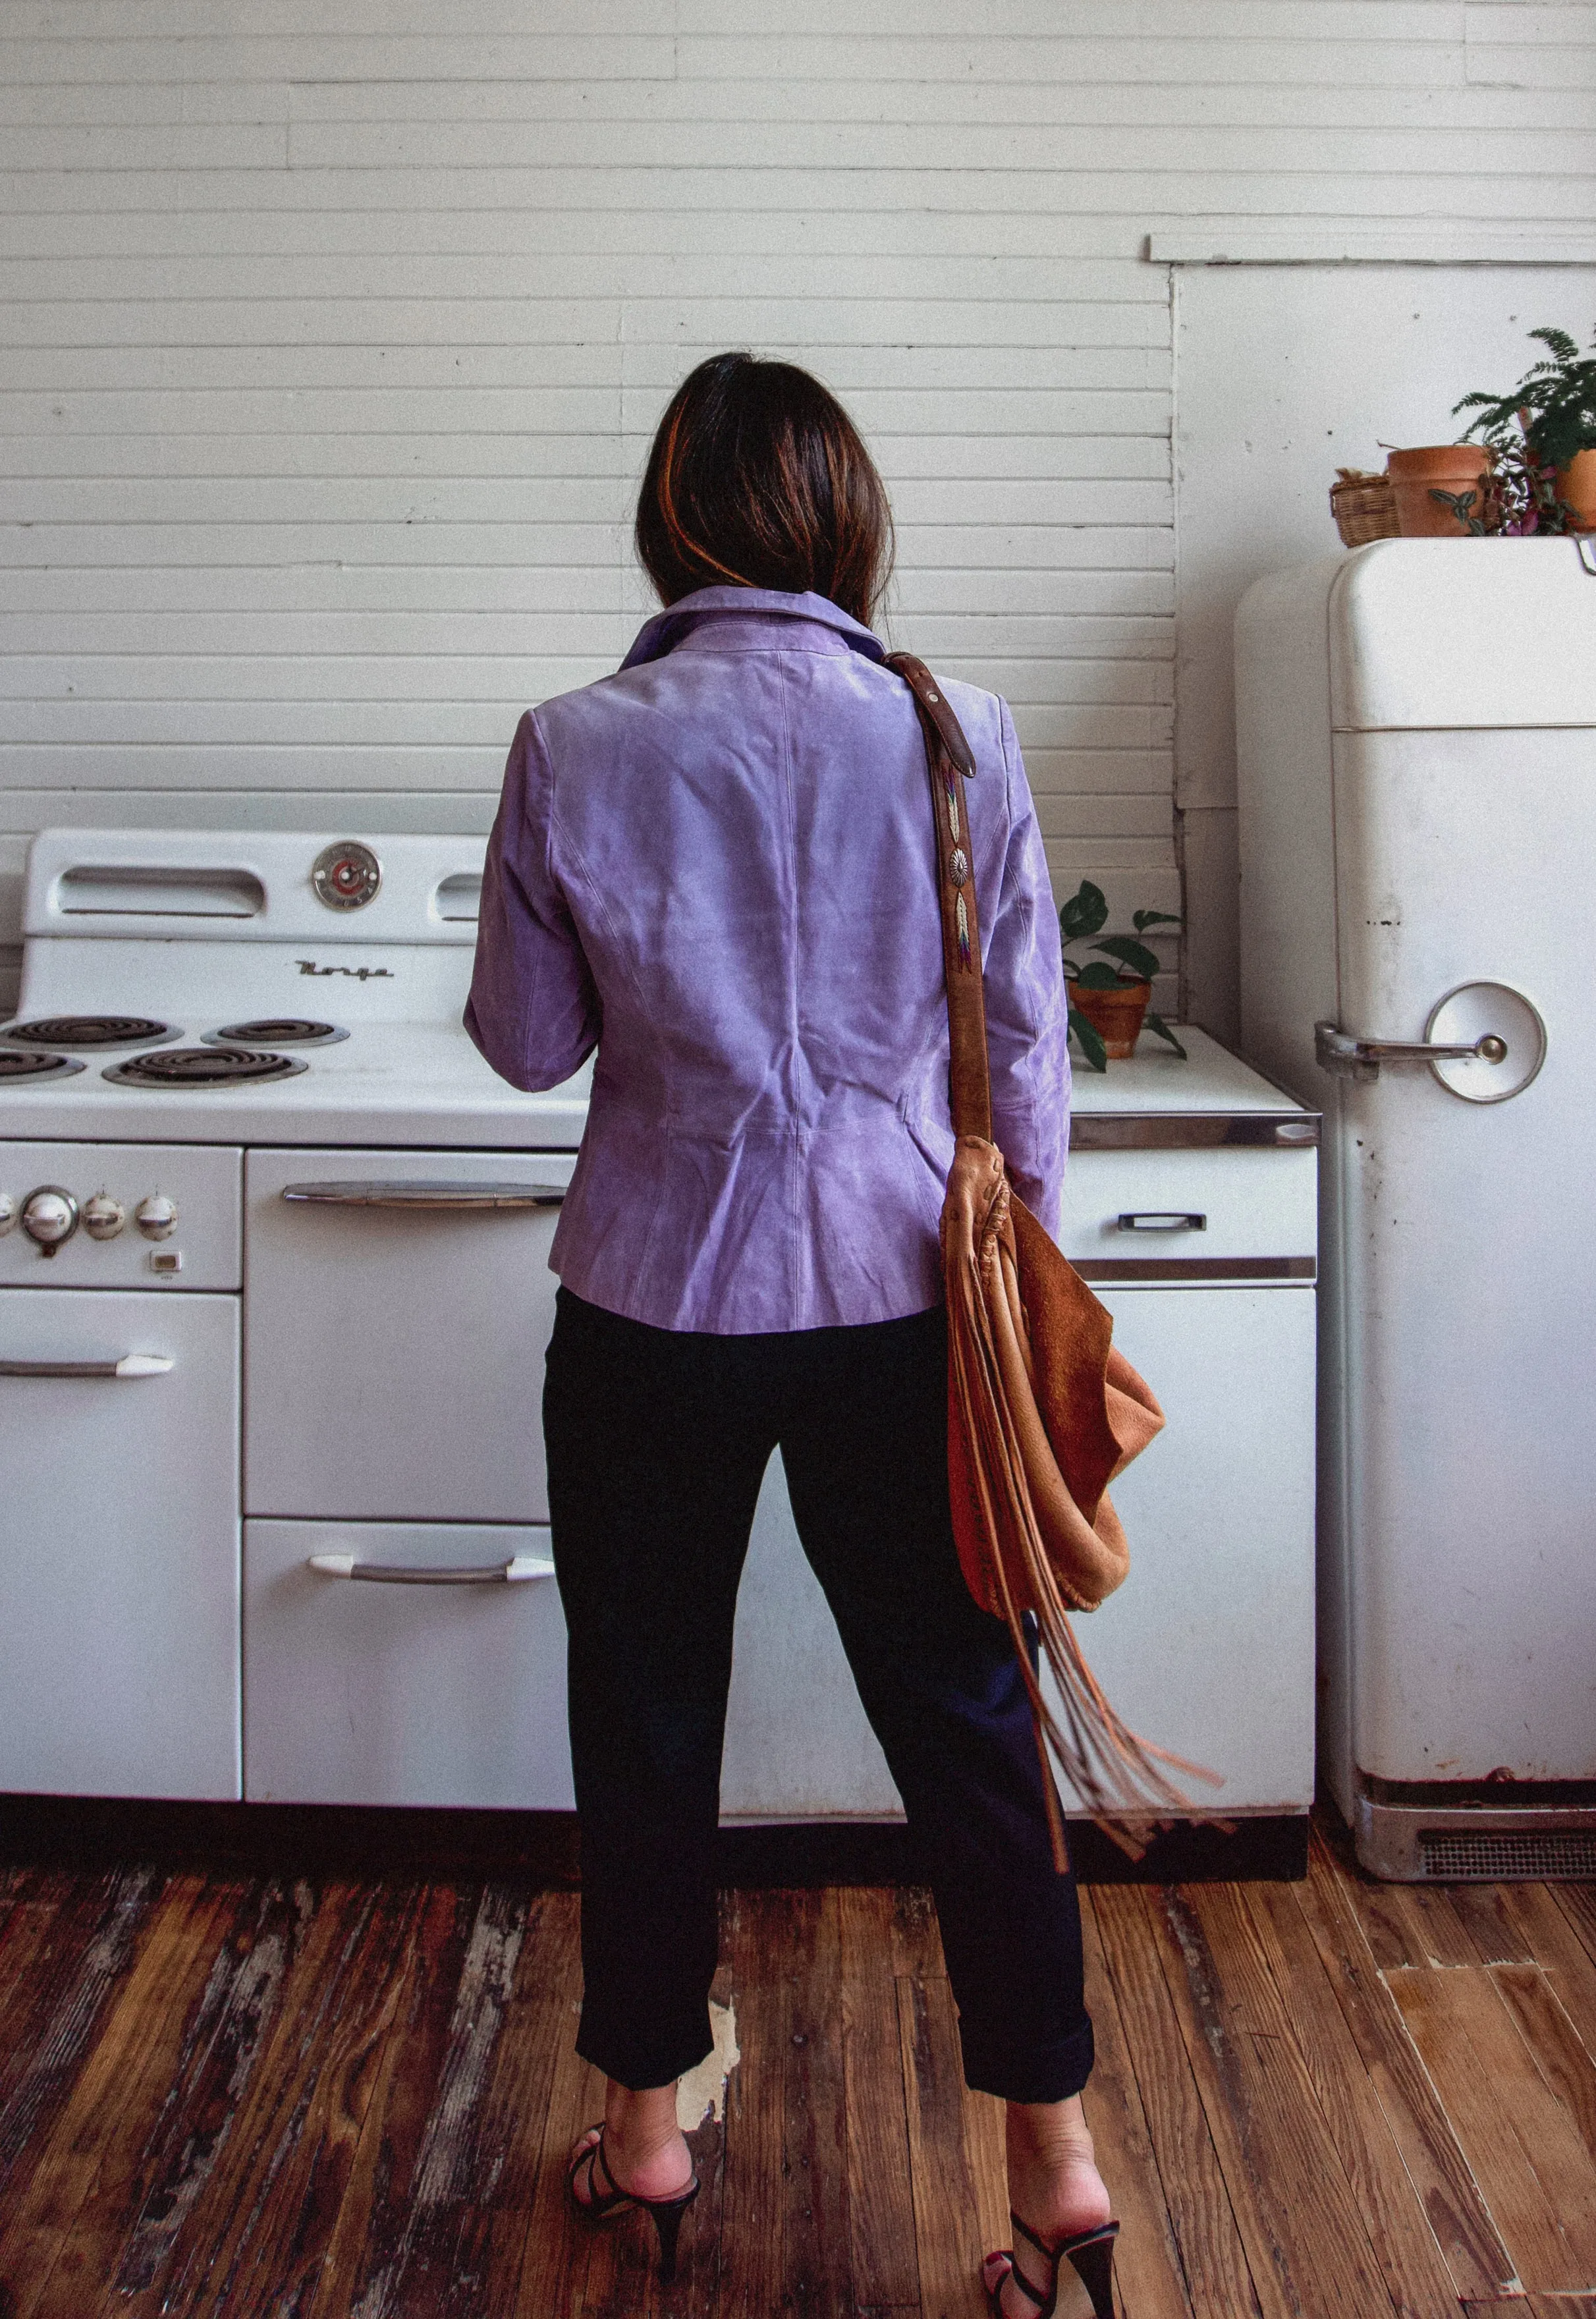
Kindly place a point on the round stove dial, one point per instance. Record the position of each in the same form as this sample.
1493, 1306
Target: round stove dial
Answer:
7, 1212
49, 1216
346, 876
157, 1217
104, 1217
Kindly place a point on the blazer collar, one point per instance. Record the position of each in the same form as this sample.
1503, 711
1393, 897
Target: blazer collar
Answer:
739, 615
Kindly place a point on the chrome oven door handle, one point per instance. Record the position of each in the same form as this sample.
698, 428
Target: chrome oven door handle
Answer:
131, 1365
519, 1566
1334, 1050
400, 1194
1162, 1220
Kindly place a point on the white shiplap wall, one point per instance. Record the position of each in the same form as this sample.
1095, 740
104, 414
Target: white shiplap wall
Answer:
333, 341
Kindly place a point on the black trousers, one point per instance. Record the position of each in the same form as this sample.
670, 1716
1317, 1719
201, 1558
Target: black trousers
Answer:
658, 1441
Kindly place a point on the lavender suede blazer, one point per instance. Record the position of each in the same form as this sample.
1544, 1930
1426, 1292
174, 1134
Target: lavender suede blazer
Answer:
718, 867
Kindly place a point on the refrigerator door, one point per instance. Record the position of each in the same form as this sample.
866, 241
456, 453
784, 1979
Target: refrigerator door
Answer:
1427, 634
1469, 1263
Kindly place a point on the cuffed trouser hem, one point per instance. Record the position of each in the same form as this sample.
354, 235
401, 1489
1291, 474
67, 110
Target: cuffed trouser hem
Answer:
1032, 2073
636, 2066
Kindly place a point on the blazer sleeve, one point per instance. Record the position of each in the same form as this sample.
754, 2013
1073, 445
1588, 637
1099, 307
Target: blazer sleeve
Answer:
534, 1010
1027, 1013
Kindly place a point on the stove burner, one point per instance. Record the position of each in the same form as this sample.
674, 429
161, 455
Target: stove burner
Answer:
288, 1032
202, 1066
20, 1065
91, 1030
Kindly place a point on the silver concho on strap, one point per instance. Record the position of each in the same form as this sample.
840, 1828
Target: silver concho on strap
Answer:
958, 866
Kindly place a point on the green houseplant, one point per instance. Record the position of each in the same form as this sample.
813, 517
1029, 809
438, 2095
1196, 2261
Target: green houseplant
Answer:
1542, 434
1108, 1005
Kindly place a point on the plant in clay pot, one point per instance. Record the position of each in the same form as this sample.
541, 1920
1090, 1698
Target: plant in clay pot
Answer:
1440, 489
1108, 1005
1542, 434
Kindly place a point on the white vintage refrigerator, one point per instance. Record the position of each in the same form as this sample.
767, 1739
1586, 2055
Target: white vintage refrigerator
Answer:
1416, 731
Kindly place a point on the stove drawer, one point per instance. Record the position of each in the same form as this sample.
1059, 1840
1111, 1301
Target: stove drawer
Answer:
394, 1336
1234, 1213
119, 1544
368, 1690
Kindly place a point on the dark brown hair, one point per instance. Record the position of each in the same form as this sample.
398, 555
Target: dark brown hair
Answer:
758, 478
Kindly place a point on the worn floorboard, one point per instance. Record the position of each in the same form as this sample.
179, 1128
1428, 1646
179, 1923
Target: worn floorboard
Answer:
1201, 2218
1152, 2275
1443, 2186
1296, 2000
1524, 2149
352, 2098
70, 2228
883, 2258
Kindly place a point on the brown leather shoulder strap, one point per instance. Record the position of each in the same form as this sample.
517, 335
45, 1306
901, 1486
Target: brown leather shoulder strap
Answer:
948, 759
929, 698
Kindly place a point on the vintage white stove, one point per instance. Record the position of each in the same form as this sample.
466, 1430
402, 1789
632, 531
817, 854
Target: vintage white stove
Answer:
274, 1300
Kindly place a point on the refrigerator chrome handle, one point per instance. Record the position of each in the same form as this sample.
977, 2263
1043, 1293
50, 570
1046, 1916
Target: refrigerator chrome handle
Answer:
1334, 1050
418, 1196
519, 1566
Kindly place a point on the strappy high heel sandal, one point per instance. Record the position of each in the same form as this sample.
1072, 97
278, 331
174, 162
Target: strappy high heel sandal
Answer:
1090, 2254
599, 2202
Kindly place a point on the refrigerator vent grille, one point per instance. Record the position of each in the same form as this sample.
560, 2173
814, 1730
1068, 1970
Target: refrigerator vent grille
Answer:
1451, 1855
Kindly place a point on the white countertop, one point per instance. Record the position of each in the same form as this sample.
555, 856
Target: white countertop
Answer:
424, 1087
1155, 1080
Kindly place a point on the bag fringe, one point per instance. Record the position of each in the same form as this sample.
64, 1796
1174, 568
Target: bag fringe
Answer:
1120, 1777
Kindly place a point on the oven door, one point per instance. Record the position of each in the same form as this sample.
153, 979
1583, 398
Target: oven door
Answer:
403, 1663
119, 1543
398, 1307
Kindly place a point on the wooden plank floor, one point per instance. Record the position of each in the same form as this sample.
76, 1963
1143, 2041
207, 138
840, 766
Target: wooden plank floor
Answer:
270, 2098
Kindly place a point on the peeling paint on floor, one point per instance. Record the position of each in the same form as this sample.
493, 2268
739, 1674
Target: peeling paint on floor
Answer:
701, 2094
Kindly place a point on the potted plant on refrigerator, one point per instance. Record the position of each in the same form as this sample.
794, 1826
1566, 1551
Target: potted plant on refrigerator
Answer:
1108, 1005
1543, 435
1440, 489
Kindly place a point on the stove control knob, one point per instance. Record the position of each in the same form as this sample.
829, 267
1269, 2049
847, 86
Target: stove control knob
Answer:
49, 1216
7, 1212
157, 1217
104, 1217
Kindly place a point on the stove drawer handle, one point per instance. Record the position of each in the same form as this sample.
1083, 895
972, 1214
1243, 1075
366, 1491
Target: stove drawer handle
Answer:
132, 1365
519, 1567
480, 1198
1162, 1220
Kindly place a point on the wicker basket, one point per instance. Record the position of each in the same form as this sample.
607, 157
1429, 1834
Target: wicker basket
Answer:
1363, 507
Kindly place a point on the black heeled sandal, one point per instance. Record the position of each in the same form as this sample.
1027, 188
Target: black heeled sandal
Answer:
599, 2203
1090, 2254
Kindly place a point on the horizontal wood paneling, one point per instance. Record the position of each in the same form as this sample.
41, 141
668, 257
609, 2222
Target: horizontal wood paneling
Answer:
83, 463
334, 331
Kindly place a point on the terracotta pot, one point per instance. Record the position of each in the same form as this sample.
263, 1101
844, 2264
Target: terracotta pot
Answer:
1576, 483
1114, 1014
1453, 467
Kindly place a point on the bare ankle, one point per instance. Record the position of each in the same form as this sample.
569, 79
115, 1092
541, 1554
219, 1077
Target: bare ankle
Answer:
641, 2135
1053, 2178
1047, 2132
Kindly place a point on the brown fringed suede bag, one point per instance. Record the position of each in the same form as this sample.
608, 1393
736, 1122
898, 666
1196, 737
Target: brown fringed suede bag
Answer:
1043, 1411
